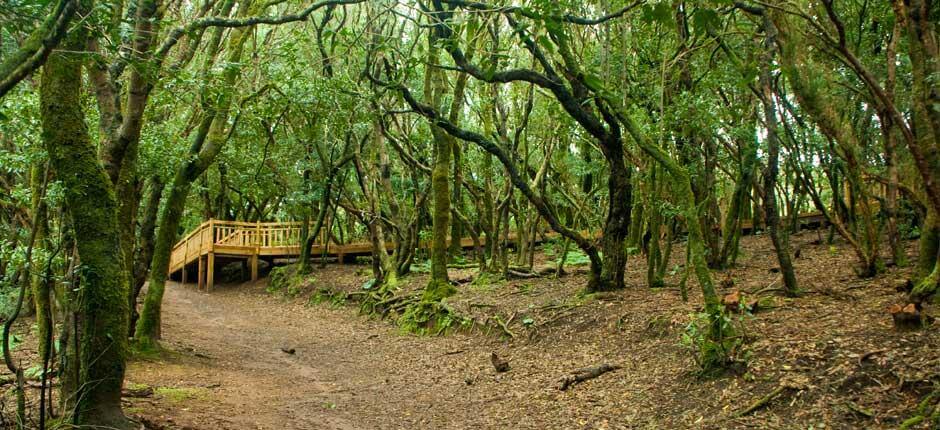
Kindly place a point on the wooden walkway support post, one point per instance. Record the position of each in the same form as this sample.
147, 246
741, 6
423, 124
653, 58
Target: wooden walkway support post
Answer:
210, 271
201, 275
253, 262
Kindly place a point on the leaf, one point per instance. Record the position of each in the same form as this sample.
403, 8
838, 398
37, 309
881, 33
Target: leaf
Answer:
593, 82
705, 19
660, 13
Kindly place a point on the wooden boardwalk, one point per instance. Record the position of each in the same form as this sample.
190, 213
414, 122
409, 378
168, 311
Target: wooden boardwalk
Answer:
235, 240
245, 241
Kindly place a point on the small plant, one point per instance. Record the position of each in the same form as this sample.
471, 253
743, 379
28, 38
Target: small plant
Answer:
325, 295
422, 267
548, 248
713, 342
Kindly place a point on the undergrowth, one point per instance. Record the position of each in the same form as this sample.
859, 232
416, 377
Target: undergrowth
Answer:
325, 295
286, 281
430, 318
928, 410
716, 344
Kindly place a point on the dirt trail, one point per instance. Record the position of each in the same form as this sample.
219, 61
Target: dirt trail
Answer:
227, 370
347, 372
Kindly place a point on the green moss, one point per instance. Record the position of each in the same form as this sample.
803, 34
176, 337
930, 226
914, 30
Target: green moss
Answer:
133, 386
179, 395
437, 290
430, 318
326, 295
287, 281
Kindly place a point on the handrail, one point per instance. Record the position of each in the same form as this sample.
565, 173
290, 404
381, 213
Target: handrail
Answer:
252, 238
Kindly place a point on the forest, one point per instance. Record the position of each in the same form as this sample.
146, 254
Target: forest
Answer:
344, 214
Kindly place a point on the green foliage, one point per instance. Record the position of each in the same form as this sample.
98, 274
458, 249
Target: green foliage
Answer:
576, 257
285, 281
430, 318
422, 267
335, 299
714, 343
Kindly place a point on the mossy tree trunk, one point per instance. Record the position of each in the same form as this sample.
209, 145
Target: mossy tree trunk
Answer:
207, 144
778, 236
439, 285
921, 27
39, 282
102, 299
740, 197
143, 253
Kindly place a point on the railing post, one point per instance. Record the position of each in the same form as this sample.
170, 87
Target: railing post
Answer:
212, 238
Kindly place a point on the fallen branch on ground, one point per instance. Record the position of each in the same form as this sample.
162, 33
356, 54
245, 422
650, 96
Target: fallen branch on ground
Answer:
505, 325
580, 375
761, 402
516, 274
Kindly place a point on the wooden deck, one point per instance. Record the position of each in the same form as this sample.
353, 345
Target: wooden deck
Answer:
234, 240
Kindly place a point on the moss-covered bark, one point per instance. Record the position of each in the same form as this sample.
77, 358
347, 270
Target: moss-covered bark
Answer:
928, 261
143, 253
738, 206
102, 299
39, 282
617, 225
438, 286
207, 144
34, 50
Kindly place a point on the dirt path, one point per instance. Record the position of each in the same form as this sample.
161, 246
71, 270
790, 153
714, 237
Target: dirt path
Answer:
347, 372
836, 345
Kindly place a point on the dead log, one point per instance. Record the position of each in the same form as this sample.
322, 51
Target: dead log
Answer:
907, 317
580, 375
517, 274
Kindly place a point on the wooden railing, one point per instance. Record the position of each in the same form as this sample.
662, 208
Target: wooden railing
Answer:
236, 238
252, 240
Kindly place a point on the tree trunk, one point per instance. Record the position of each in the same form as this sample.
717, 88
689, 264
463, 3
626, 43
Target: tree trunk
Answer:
208, 142
94, 213
143, 255
617, 226
777, 236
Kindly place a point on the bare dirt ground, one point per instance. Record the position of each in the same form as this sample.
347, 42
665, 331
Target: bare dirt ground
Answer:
834, 349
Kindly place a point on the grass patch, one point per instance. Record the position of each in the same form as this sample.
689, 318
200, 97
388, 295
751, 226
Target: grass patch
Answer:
179, 395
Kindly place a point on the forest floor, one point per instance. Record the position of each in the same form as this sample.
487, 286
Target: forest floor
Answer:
834, 350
